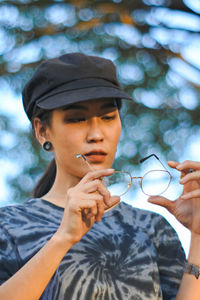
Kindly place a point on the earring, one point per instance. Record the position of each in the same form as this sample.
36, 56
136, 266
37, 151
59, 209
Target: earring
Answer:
47, 146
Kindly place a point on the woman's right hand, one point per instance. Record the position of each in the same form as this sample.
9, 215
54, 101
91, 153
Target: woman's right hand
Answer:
85, 204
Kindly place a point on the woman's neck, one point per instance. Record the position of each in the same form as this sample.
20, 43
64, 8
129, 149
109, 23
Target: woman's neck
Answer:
58, 192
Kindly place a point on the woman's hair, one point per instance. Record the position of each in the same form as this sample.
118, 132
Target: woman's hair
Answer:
46, 181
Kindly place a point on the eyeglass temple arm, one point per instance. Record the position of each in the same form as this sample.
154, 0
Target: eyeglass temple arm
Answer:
145, 158
85, 160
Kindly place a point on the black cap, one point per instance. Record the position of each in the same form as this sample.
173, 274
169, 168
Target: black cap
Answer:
71, 78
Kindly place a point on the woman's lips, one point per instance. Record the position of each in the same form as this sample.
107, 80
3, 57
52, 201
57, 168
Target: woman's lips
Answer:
96, 156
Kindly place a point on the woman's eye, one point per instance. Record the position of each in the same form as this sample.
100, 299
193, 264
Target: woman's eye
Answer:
109, 117
75, 120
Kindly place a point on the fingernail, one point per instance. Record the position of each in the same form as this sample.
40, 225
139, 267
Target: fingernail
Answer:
185, 196
178, 167
151, 198
110, 170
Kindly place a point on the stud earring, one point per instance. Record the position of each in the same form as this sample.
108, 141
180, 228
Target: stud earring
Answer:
47, 146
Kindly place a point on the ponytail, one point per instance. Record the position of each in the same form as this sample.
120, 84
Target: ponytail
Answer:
46, 181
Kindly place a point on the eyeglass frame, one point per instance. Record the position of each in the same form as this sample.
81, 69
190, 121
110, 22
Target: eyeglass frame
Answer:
142, 177
137, 177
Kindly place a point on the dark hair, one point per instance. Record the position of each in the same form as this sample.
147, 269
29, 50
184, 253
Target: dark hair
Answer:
46, 181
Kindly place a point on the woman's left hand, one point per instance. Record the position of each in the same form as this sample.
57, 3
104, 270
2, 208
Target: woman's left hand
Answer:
186, 208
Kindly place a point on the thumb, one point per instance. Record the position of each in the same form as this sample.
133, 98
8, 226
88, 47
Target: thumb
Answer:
114, 200
162, 201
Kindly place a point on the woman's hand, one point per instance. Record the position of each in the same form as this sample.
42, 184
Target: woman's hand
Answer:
85, 204
186, 208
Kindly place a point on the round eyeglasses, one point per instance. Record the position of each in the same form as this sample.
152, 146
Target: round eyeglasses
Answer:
152, 183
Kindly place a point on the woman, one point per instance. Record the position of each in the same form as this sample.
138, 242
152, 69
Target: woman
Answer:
63, 243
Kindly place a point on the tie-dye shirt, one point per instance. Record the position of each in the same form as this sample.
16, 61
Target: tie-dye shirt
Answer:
131, 254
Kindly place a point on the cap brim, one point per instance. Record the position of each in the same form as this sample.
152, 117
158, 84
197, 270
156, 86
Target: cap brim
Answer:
92, 93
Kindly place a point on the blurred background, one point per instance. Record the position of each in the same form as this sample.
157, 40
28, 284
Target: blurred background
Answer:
155, 45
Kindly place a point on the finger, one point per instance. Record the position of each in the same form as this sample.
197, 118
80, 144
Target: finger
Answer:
100, 210
85, 211
97, 186
91, 186
191, 195
114, 201
162, 201
98, 198
97, 211
91, 212
105, 193
173, 164
97, 174
190, 176
187, 165
83, 204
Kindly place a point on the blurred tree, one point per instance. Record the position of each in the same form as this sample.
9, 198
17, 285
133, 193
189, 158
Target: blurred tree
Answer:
149, 41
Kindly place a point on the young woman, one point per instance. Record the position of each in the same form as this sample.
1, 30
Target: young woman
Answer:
74, 240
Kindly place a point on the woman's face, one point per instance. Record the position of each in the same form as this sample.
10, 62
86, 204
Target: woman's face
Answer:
90, 128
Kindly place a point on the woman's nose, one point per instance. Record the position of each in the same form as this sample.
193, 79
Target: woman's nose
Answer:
95, 131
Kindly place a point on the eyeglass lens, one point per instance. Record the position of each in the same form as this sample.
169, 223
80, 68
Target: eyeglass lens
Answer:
155, 182
118, 183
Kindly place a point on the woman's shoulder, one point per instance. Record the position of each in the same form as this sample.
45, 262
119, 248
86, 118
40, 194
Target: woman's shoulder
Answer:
151, 226
139, 215
30, 210
150, 222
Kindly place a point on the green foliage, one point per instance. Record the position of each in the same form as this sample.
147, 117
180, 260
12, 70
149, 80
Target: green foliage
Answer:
145, 39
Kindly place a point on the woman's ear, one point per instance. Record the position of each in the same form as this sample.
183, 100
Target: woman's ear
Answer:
40, 131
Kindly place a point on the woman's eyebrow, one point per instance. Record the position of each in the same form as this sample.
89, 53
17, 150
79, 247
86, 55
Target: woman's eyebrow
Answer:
84, 107
74, 107
109, 105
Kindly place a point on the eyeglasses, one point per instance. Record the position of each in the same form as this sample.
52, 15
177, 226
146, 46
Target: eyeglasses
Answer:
152, 183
